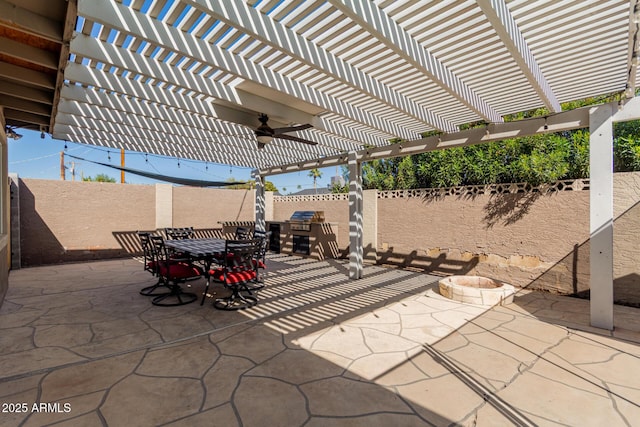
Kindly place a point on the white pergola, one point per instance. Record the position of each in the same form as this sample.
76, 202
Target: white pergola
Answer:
189, 78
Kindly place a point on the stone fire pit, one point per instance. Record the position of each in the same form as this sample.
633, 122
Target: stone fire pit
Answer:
476, 290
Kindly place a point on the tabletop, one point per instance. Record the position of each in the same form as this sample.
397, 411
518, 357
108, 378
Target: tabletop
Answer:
197, 247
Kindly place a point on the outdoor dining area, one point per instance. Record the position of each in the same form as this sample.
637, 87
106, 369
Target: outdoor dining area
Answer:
317, 349
116, 309
177, 257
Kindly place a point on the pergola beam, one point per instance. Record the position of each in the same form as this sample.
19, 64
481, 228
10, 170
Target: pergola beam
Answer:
124, 59
633, 55
601, 216
26, 76
26, 53
387, 31
261, 27
567, 120
108, 140
128, 21
30, 22
163, 97
159, 130
27, 93
505, 26
24, 117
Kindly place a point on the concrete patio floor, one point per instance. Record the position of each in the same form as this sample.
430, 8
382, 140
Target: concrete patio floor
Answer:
318, 350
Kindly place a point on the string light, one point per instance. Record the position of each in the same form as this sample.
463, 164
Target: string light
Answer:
146, 158
108, 155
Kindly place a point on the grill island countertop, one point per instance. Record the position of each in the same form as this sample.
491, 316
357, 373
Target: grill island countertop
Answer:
302, 220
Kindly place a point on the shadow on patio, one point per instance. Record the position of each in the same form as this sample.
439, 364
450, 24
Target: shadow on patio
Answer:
318, 350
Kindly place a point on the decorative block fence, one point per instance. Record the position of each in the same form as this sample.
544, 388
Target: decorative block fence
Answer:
529, 236
524, 235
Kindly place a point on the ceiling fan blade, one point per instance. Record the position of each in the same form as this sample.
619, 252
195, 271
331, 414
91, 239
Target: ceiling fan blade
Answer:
294, 138
291, 129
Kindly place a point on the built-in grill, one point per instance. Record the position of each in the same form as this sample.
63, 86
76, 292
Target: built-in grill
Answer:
300, 226
302, 220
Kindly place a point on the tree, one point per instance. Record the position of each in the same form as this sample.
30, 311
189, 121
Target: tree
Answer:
626, 146
315, 174
535, 159
101, 177
337, 188
268, 185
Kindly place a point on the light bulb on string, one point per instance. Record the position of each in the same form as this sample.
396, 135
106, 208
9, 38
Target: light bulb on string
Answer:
108, 155
146, 158
178, 162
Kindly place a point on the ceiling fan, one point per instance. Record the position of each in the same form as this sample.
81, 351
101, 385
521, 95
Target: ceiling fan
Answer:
264, 133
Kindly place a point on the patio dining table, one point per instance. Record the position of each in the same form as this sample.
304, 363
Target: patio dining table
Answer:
198, 249
206, 250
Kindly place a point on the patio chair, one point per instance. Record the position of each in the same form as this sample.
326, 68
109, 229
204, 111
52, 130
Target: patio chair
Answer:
238, 273
261, 254
150, 264
173, 271
242, 233
176, 233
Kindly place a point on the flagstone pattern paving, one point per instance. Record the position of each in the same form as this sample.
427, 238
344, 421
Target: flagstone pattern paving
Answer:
318, 350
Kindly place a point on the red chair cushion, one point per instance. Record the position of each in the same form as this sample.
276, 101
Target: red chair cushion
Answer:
234, 276
179, 270
260, 263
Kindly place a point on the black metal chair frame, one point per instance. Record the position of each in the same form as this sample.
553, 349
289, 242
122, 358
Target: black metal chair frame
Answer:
168, 268
261, 255
242, 233
239, 274
151, 265
177, 233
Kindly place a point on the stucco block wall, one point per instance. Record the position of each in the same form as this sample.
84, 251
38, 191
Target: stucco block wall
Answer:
524, 233
626, 237
205, 207
5, 236
69, 221
536, 239
73, 221
4, 267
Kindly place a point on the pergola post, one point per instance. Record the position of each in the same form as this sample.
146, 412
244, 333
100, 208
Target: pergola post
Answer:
601, 216
260, 208
355, 217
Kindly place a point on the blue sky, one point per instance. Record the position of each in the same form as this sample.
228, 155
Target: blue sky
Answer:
33, 157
